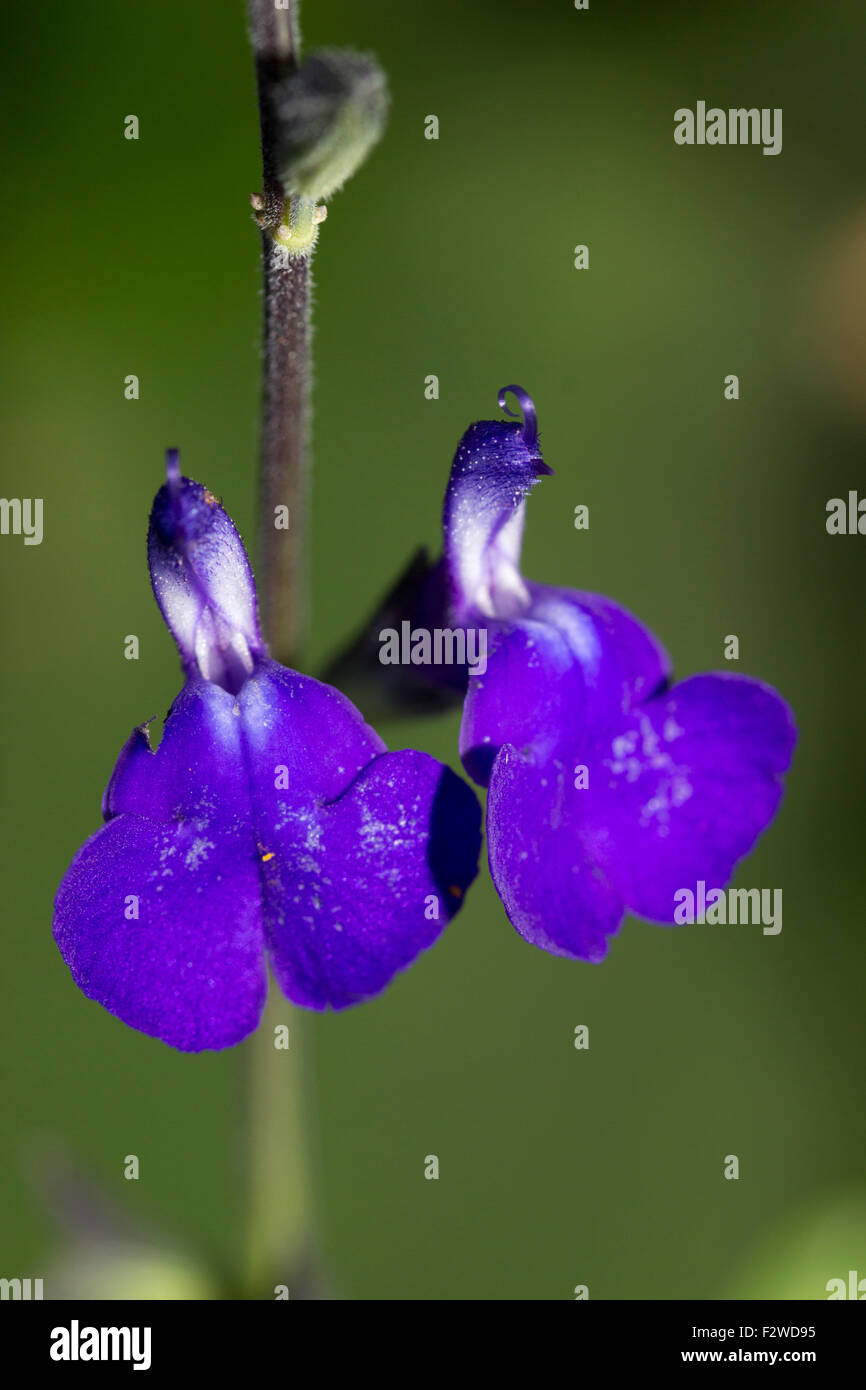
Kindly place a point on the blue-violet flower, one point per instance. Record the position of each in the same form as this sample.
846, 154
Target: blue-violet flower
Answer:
270, 822
609, 788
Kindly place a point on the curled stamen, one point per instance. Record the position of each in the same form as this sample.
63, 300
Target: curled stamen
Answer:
530, 425
172, 469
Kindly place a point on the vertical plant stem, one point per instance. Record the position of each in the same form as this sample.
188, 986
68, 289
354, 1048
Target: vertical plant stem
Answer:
278, 1207
279, 1245
284, 477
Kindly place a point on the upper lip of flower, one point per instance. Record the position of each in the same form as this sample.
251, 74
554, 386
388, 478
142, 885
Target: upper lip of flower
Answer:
202, 581
496, 466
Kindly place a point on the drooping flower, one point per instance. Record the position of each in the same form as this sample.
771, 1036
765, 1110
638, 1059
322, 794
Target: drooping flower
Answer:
609, 788
270, 823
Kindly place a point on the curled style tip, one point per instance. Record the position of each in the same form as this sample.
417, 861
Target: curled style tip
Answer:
530, 424
172, 468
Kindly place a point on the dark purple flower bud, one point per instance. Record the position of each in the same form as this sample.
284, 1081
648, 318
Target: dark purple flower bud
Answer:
270, 824
608, 790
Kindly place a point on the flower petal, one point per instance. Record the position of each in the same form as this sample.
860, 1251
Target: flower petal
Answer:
622, 662
272, 814
202, 581
309, 729
190, 968
554, 894
493, 472
355, 891
684, 786
198, 768
571, 660
531, 689
679, 793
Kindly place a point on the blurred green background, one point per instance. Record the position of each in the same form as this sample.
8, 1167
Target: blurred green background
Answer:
558, 1167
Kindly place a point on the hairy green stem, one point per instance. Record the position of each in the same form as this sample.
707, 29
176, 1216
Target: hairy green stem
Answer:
284, 479
278, 1217
279, 1246
284, 476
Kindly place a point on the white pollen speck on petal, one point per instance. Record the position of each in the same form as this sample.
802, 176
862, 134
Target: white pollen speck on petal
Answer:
197, 852
681, 791
624, 745
650, 743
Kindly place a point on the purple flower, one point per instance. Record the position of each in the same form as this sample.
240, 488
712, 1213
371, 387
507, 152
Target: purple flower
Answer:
609, 789
270, 823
